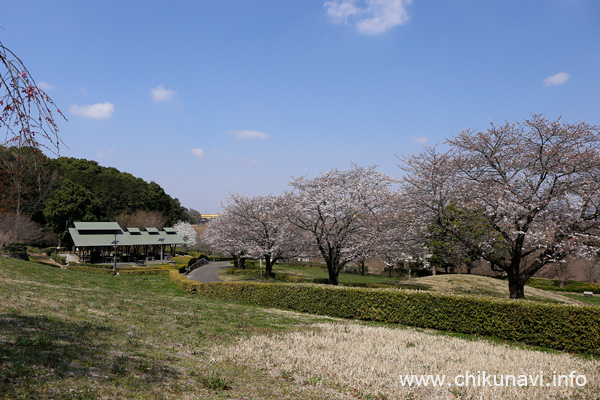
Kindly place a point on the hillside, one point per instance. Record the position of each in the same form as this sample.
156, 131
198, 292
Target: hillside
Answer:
483, 285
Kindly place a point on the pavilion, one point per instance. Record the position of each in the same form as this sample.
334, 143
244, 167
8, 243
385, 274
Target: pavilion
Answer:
100, 242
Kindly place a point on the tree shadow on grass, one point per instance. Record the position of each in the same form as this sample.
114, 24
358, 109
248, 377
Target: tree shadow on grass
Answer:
37, 353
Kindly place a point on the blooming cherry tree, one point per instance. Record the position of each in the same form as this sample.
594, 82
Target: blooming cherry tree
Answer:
187, 232
262, 225
26, 111
27, 119
335, 208
222, 236
527, 194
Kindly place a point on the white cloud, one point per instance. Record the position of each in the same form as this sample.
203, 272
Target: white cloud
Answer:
250, 161
373, 18
198, 152
44, 85
96, 111
106, 154
558, 79
160, 94
249, 134
340, 12
420, 139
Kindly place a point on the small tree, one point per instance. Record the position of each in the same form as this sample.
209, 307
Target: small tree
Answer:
187, 233
261, 227
19, 228
142, 219
591, 269
222, 236
562, 272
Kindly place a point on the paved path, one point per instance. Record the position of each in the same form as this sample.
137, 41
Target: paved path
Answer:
208, 272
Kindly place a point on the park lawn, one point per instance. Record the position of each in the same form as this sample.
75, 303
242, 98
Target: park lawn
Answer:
69, 334
310, 273
593, 300
445, 284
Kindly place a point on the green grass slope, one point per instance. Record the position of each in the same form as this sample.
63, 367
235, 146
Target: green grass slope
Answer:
69, 334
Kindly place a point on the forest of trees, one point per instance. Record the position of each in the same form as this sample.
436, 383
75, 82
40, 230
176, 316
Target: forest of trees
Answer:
53, 193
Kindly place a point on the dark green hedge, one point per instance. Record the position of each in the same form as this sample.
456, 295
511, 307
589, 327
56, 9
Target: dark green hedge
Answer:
91, 270
121, 271
562, 327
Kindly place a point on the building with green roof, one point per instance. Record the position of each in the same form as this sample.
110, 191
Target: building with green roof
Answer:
100, 242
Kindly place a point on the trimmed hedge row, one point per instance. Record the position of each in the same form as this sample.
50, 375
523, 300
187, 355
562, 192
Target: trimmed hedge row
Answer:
121, 271
279, 276
569, 286
91, 270
562, 327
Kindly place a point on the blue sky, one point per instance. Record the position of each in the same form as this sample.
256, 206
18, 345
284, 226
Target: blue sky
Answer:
212, 97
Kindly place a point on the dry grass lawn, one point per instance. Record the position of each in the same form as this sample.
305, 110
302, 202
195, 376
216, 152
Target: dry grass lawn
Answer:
485, 286
356, 360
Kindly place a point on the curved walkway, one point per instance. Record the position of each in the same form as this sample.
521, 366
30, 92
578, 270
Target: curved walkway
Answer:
208, 272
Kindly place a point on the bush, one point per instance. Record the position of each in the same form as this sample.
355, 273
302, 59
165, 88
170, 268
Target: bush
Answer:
91, 270
192, 261
59, 259
107, 270
562, 327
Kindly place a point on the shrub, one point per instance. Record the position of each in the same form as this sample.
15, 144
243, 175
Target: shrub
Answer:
59, 259
107, 270
91, 270
144, 271
562, 327
192, 261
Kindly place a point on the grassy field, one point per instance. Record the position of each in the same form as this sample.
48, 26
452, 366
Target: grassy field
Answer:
595, 300
453, 283
68, 334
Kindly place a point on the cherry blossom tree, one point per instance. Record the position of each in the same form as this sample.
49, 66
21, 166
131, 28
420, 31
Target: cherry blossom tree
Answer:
399, 236
187, 232
527, 194
334, 208
27, 116
262, 225
222, 235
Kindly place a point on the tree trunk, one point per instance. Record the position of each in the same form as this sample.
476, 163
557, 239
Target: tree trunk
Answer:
242, 263
363, 268
516, 288
333, 275
516, 285
268, 267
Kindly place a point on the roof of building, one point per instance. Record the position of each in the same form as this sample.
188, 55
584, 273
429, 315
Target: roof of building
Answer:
104, 234
97, 226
